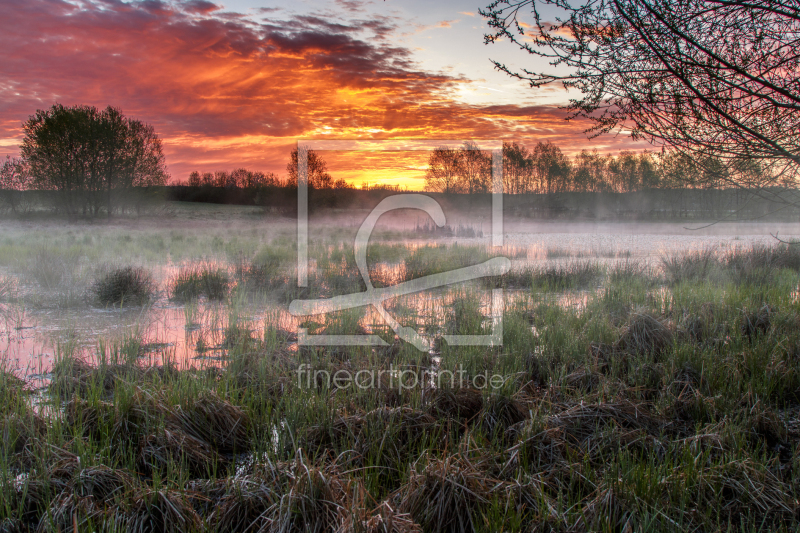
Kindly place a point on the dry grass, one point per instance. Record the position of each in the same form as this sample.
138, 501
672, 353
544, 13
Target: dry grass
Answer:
445, 495
645, 334
211, 419
463, 403
154, 511
317, 499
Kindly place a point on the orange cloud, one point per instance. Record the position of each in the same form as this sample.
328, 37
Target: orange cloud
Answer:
223, 90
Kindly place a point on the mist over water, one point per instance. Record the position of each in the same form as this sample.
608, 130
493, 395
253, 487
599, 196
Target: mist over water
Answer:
37, 322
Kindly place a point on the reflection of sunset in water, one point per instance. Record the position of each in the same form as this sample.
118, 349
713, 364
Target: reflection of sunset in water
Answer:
194, 334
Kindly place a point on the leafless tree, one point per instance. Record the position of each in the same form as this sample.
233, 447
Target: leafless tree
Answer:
716, 79
444, 171
318, 176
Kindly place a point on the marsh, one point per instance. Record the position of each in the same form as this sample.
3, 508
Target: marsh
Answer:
151, 378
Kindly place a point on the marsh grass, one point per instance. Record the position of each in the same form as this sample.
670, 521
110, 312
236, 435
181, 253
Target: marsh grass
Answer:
757, 264
608, 253
433, 259
127, 285
8, 288
51, 267
646, 409
200, 279
560, 277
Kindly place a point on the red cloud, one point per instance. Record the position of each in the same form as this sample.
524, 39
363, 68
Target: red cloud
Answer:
223, 90
200, 7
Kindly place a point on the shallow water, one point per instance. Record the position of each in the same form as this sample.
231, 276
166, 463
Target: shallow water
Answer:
31, 337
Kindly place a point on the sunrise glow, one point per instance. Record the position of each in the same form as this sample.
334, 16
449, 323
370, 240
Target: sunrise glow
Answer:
229, 86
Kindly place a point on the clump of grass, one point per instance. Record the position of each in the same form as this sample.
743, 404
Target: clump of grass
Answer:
20, 432
573, 275
237, 335
211, 419
757, 322
263, 272
645, 334
158, 510
198, 280
464, 316
170, 446
430, 259
630, 270
600, 430
315, 500
464, 403
762, 256
692, 266
499, 413
128, 285
385, 436
243, 504
445, 495
103, 483
72, 512
705, 326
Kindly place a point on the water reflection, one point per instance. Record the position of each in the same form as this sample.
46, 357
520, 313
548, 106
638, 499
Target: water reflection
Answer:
198, 333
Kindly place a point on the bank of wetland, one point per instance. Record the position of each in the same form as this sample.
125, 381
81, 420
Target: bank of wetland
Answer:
153, 382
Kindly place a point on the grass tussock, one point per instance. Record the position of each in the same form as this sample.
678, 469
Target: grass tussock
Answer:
445, 495
645, 334
128, 285
158, 510
199, 280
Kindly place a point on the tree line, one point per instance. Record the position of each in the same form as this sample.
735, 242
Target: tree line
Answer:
90, 158
242, 178
545, 169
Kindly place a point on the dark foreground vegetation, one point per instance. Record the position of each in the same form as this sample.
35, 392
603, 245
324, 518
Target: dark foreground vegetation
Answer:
669, 401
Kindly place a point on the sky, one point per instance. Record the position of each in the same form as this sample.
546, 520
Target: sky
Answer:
237, 83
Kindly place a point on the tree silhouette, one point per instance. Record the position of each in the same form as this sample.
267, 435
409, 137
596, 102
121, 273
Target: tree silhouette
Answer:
550, 167
87, 155
444, 172
318, 177
516, 168
476, 168
14, 178
717, 79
